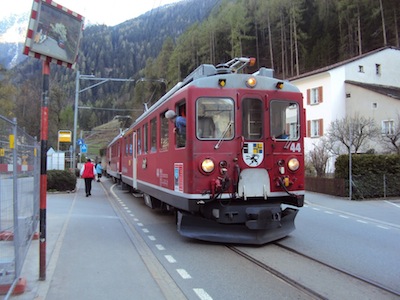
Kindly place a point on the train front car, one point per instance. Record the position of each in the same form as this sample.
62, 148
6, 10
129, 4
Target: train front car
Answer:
248, 156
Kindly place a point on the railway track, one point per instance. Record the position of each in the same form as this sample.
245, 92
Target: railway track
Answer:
312, 277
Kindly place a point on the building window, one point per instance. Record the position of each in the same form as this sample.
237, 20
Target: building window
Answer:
388, 127
361, 69
315, 128
378, 69
314, 96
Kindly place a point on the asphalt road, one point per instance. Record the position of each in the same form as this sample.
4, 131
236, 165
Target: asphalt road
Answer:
362, 238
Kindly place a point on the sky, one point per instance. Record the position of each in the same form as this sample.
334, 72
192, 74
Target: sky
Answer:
108, 12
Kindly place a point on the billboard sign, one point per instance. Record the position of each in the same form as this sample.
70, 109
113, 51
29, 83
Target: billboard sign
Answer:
54, 33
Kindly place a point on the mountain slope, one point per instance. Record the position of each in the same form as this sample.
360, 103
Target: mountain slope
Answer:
12, 37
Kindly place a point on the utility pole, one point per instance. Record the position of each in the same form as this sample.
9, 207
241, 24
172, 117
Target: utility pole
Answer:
77, 92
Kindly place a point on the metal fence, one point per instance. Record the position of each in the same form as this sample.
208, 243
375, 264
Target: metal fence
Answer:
19, 199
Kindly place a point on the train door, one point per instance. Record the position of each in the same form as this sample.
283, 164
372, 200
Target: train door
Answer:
134, 161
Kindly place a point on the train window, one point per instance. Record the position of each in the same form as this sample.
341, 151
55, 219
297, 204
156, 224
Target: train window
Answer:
145, 138
252, 119
284, 120
164, 141
139, 141
126, 143
214, 118
153, 135
131, 143
180, 125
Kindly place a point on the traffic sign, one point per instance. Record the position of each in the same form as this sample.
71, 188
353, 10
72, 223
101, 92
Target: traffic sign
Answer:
83, 148
80, 142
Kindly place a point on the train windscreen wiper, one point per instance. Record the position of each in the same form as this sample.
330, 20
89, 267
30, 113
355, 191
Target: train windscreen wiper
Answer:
223, 135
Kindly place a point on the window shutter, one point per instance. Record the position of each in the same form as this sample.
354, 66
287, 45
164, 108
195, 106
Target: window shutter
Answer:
308, 96
320, 97
321, 127
308, 128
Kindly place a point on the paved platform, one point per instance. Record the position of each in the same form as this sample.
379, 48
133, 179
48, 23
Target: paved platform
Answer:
89, 253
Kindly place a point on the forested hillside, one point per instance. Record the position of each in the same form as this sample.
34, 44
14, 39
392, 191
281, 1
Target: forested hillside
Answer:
290, 36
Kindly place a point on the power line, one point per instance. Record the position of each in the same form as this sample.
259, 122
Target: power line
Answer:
111, 109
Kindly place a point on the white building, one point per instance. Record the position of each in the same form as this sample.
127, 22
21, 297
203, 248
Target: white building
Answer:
368, 84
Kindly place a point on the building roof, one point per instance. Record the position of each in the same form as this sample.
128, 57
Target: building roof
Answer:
389, 91
339, 64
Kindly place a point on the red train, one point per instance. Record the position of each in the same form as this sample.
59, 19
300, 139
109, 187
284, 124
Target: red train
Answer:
229, 169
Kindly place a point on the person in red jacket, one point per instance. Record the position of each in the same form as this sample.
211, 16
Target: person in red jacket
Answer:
88, 172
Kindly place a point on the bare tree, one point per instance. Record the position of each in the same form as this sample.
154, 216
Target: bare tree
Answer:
391, 137
352, 133
319, 156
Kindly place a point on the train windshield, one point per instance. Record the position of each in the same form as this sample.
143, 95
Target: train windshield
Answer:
284, 118
214, 118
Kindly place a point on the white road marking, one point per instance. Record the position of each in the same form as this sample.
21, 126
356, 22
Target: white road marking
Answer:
202, 294
140, 224
170, 259
328, 212
183, 273
151, 238
145, 230
160, 247
347, 215
383, 227
392, 203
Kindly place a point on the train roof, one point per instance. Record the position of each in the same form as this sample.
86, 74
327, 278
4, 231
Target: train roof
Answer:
120, 134
204, 71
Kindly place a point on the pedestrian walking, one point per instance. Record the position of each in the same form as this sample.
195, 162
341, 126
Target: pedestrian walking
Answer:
99, 171
88, 173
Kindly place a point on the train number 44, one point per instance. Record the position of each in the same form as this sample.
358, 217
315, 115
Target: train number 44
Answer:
295, 147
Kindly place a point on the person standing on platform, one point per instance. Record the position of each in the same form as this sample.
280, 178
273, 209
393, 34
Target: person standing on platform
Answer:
88, 173
99, 171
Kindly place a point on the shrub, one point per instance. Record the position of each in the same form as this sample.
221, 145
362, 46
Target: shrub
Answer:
364, 164
58, 180
372, 175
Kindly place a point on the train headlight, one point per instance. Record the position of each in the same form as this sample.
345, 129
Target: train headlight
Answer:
293, 164
251, 82
207, 165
